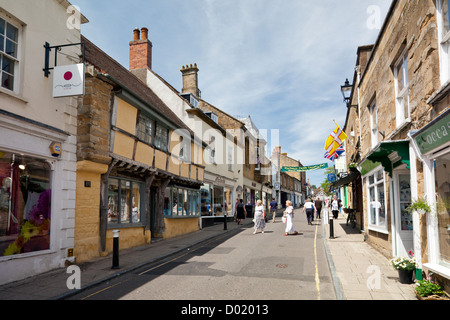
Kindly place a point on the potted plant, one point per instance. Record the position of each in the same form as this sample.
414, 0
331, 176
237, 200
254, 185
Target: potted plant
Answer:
353, 167
429, 290
420, 205
405, 267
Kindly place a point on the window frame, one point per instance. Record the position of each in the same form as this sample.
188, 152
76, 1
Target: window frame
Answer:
373, 110
193, 197
142, 135
444, 42
377, 185
16, 60
402, 96
161, 142
119, 223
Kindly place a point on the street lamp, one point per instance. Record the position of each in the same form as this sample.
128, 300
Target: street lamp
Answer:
346, 90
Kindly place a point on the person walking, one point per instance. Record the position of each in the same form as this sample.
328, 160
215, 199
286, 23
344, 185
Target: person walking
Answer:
273, 209
259, 217
318, 205
241, 213
309, 208
289, 214
335, 205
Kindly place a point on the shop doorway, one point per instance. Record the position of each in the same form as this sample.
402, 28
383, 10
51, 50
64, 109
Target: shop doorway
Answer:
402, 221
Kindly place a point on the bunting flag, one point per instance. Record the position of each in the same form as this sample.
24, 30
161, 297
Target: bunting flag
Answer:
335, 140
339, 151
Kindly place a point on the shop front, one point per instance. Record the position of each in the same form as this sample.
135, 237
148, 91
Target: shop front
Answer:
387, 190
218, 196
432, 146
34, 237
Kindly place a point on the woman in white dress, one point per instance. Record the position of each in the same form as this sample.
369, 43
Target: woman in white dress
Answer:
289, 213
259, 220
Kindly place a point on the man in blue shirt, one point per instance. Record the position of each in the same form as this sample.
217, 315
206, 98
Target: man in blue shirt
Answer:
273, 209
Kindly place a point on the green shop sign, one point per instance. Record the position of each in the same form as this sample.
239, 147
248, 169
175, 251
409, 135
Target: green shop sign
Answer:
434, 135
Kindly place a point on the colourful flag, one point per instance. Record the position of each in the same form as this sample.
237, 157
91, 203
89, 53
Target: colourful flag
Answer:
335, 140
339, 151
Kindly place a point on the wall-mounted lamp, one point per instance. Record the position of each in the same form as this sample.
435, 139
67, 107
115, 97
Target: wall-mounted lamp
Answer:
346, 90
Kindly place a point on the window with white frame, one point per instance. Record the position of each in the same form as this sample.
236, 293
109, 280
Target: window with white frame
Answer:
9, 57
443, 19
401, 89
373, 123
376, 201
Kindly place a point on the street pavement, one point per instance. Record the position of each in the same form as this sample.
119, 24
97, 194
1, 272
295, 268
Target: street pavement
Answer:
358, 271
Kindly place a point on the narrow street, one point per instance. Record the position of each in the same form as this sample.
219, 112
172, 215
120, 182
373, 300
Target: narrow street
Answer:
245, 266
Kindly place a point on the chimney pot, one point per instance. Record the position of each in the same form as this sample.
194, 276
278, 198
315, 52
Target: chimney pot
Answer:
144, 33
136, 33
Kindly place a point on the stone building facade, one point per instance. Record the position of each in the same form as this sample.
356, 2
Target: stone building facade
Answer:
397, 121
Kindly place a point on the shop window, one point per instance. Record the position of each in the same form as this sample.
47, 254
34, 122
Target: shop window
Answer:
9, 43
377, 201
185, 202
206, 199
443, 207
25, 204
218, 201
124, 201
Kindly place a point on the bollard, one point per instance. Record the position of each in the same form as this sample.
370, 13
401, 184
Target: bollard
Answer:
115, 264
225, 221
331, 229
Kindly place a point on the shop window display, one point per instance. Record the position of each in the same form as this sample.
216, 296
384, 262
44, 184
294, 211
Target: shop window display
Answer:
124, 201
443, 207
25, 204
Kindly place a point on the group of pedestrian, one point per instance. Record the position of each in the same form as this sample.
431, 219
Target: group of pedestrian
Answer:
309, 209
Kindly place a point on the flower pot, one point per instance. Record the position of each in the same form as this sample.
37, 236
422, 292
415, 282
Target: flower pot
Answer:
405, 276
433, 297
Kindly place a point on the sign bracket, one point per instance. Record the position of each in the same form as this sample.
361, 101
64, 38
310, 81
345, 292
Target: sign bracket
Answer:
58, 48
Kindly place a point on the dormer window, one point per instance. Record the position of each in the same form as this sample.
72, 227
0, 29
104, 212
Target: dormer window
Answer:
193, 101
213, 116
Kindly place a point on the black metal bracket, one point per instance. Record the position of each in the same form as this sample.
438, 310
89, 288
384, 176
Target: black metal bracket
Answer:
58, 48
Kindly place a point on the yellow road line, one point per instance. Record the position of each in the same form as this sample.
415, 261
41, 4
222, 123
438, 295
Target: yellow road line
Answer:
317, 265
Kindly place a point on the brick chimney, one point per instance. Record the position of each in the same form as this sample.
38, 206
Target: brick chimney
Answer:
140, 50
190, 80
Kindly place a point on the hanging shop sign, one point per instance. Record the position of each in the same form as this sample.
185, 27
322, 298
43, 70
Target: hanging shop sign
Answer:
304, 169
434, 135
68, 80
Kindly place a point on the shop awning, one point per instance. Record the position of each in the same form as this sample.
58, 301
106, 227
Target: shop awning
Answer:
352, 176
391, 154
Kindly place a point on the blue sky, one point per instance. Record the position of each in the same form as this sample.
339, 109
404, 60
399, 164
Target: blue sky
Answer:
280, 61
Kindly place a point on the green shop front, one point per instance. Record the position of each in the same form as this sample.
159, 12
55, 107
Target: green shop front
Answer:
387, 179
432, 147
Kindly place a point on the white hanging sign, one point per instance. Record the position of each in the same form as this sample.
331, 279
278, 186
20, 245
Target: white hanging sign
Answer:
68, 80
